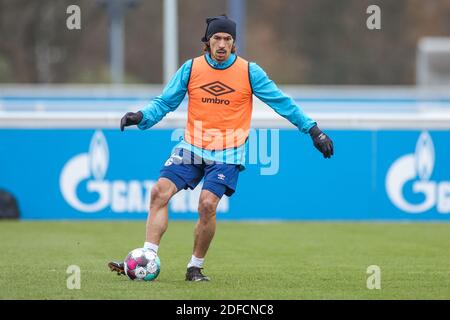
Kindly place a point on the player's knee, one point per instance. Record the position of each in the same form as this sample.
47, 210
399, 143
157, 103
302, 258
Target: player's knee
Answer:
207, 208
159, 196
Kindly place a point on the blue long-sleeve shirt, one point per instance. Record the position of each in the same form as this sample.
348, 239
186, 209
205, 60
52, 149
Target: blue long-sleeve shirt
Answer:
263, 88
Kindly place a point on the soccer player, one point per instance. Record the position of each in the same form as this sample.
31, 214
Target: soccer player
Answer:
220, 86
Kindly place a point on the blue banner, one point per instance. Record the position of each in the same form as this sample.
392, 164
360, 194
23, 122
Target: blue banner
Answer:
108, 174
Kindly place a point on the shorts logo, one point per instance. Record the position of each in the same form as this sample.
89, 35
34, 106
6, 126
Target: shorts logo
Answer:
217, 88
168, 162
174, 159
221, 176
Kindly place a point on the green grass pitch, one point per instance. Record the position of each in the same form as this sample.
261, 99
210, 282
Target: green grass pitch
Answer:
248, 260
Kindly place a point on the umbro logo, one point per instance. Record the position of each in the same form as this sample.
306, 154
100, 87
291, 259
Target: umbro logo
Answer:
217, 88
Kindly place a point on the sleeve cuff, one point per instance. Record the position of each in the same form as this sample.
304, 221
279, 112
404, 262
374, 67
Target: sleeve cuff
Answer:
307, 127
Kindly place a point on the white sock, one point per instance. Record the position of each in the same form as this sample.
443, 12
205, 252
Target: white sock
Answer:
196, 262
151, 246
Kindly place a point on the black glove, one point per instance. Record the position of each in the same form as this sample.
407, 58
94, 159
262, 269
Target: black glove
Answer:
130, 119
321, 141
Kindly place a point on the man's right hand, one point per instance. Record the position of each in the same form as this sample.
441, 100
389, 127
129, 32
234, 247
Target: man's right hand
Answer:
130, 119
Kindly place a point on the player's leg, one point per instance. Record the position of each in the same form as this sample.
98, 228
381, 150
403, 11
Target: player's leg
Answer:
220, 179
158, 217
179, 172
206, 224
203, 234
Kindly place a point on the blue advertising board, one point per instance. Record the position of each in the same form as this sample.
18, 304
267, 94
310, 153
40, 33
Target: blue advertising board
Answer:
108, 174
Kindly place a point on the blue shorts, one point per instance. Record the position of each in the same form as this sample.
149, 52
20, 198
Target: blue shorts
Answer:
185, 169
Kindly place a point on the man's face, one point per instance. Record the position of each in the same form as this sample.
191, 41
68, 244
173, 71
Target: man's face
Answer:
221, 44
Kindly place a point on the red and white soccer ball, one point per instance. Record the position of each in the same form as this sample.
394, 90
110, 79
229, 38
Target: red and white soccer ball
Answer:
142, 264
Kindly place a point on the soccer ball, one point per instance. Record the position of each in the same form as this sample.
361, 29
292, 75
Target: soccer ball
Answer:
142, 264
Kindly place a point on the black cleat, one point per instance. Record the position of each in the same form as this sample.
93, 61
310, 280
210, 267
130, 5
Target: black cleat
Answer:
195, 274
118, 267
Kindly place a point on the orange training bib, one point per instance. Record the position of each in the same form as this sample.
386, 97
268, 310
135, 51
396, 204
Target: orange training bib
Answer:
220, 105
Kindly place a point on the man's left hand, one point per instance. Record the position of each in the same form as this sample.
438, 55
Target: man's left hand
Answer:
322, 142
